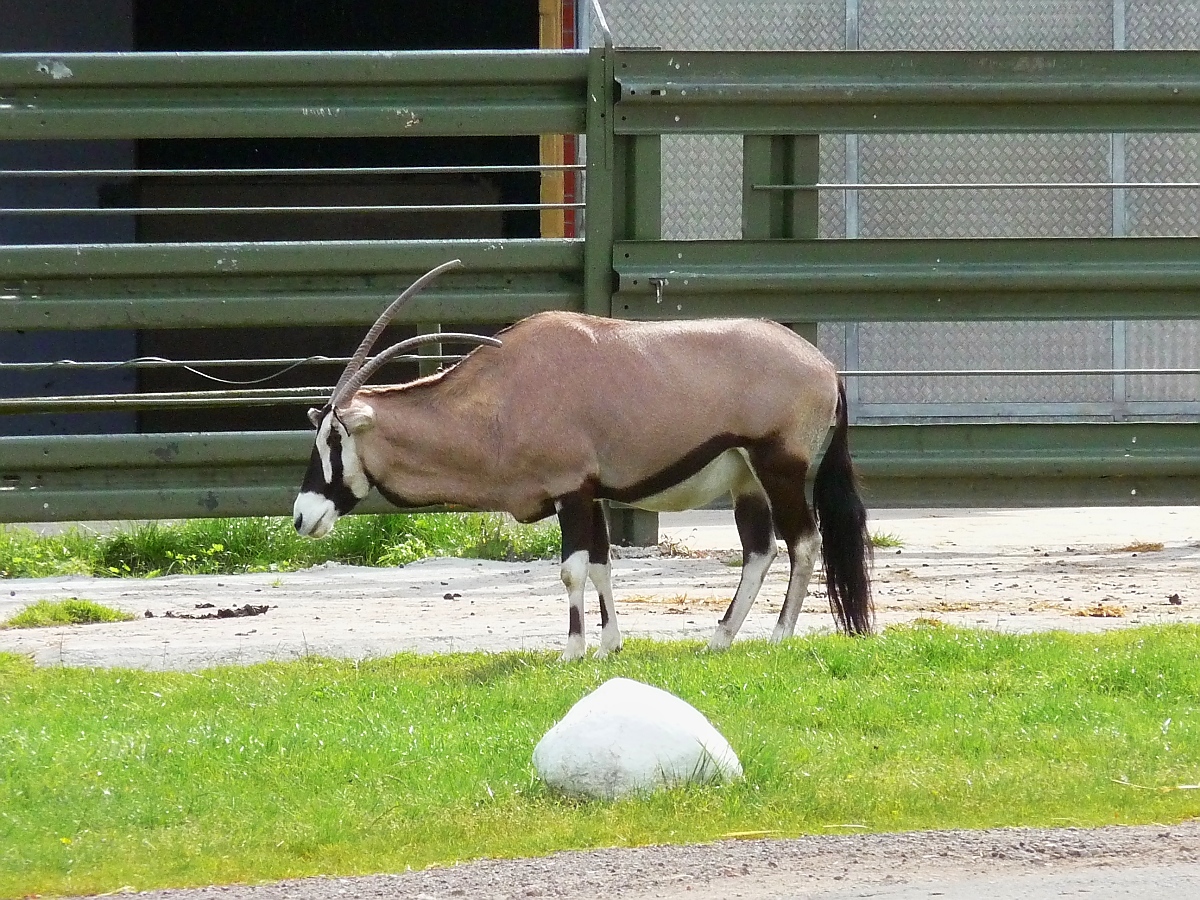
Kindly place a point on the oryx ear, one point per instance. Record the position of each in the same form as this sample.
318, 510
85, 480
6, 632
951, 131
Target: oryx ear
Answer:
357, 417
314, 416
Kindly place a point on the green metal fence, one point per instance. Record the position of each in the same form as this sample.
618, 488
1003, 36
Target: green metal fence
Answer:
624, 102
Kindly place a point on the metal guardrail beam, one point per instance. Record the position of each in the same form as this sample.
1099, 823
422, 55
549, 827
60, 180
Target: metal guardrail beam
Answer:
246, 284
291, 94
906, 91
910, 280
1028, 465
80, 478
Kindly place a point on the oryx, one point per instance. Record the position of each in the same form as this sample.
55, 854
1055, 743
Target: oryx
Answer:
566, 410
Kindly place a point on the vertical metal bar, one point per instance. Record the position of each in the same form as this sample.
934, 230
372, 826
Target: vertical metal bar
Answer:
853, 361
600, 185
638, 201
623, 190
786, 215
637, 216
757, 206
851, 196
850, 201
1119, 357
429, 366
1116, 173
780, 159
1120, 228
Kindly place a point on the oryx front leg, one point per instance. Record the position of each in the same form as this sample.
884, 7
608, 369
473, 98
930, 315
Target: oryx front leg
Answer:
576, 520
600, 573
752, 513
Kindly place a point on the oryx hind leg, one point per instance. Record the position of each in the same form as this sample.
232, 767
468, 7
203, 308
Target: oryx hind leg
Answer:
782, 477
600, 573
752, 513
803, 555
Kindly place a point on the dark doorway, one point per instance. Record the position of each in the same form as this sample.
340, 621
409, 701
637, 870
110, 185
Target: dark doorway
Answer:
266, 25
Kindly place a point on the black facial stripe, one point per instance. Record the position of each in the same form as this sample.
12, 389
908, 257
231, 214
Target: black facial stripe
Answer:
336, 491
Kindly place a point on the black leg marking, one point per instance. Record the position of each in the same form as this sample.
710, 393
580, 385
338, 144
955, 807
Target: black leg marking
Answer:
598, 548
782, 477
576, 625
752, 514
575, 518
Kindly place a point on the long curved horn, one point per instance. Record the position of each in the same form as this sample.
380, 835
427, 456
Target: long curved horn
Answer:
359, 378
384, 319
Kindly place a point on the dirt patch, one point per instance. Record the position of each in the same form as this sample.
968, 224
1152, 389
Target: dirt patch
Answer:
235, 613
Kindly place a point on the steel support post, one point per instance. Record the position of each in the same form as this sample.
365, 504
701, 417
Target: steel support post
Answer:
599, 185
637, 204
787, 159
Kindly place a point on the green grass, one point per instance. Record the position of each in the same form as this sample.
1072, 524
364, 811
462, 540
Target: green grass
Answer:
225, 546
71, 611
886, 540
114, 778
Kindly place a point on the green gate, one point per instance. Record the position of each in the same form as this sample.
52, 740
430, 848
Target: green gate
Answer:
623, 101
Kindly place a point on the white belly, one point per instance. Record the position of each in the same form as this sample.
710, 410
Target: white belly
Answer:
728, 472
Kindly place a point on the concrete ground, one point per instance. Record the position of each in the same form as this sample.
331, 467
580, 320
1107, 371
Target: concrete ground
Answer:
1011, 570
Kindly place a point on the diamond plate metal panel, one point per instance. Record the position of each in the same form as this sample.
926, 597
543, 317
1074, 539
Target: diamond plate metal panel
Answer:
983, 25
1162, 24
1163, 345
984, 158
702, 187
831, 340
831, 205
985, 345
743, 25
1162, 211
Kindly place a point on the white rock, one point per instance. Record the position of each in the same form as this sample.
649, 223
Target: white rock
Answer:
627, 737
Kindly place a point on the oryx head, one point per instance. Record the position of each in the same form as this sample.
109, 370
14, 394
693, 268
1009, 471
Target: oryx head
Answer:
336, 479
